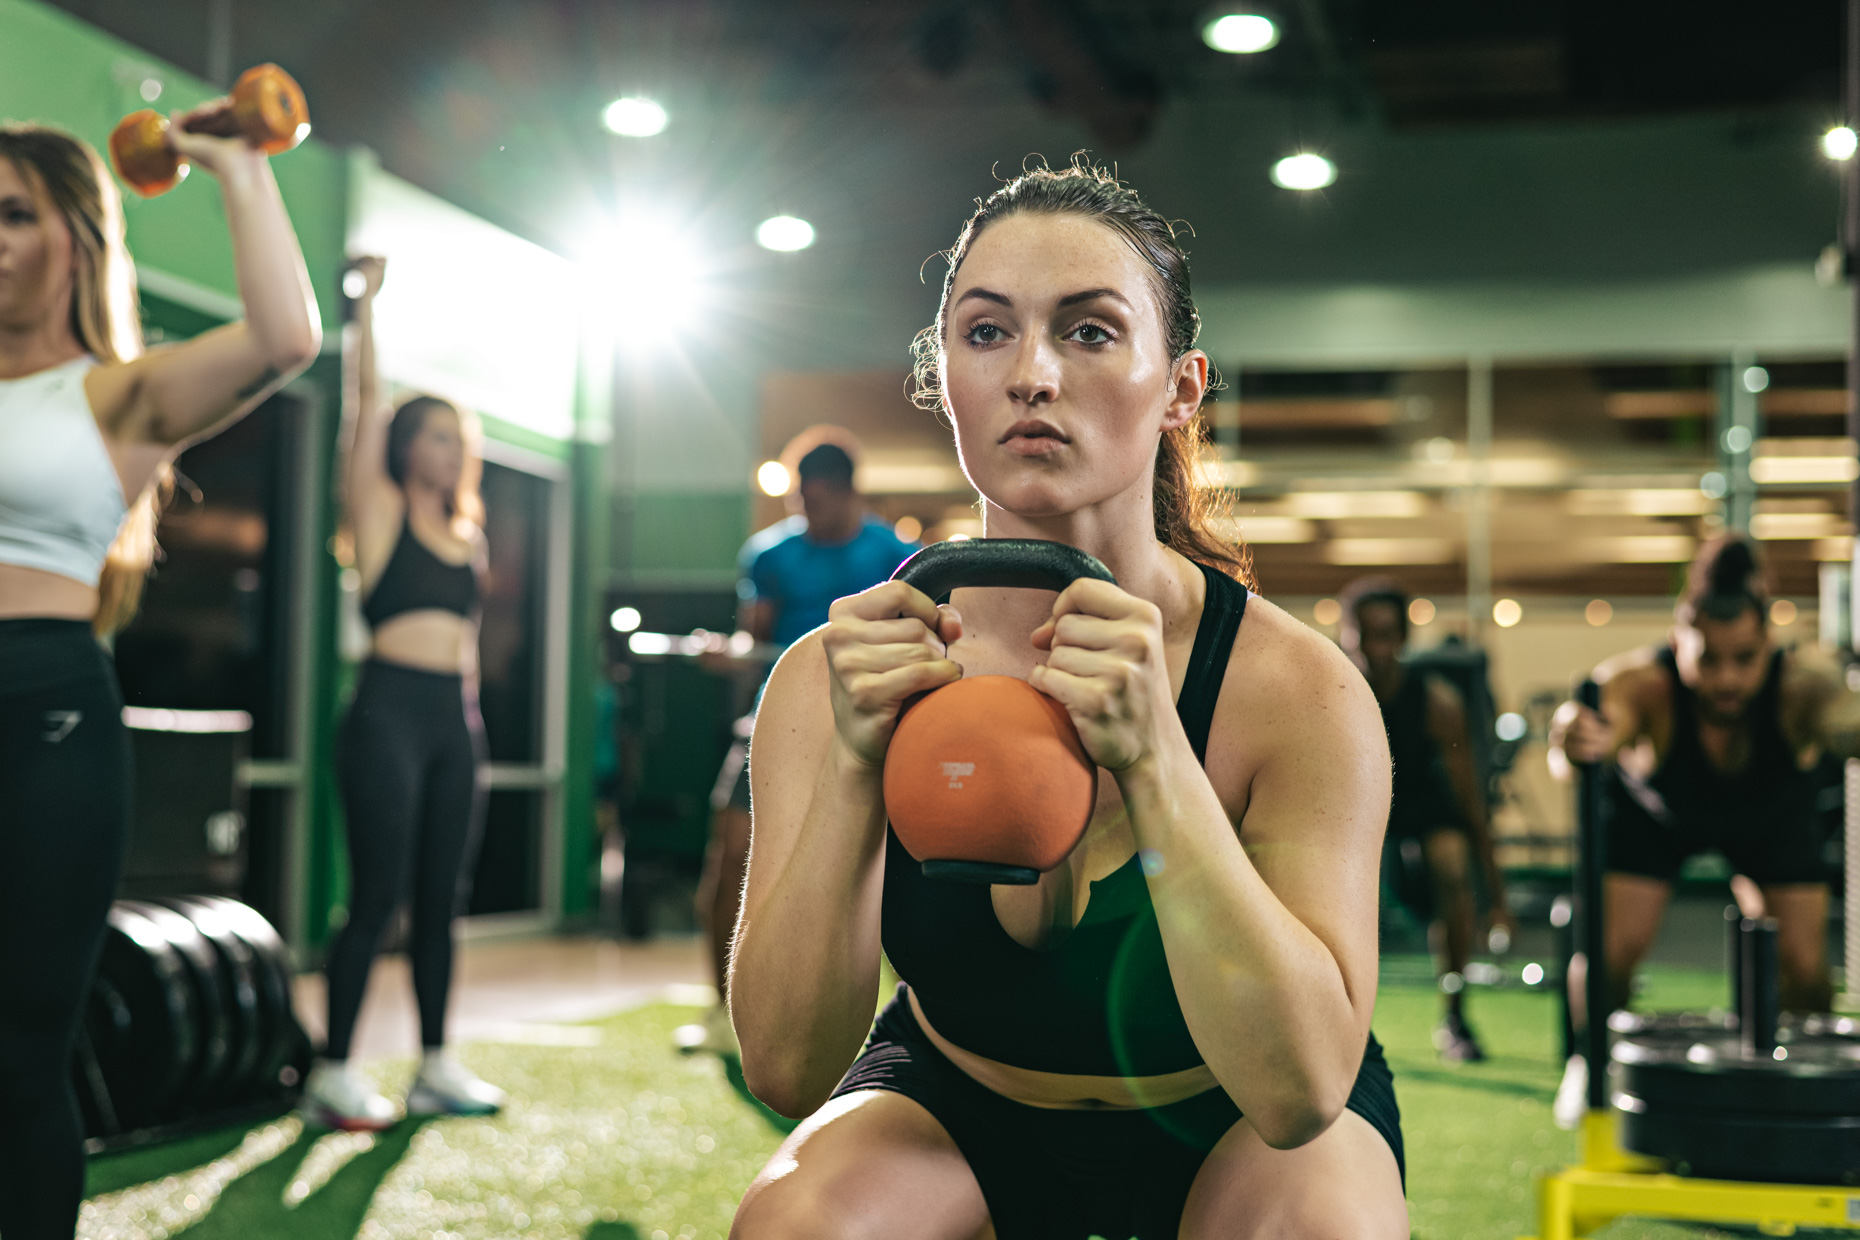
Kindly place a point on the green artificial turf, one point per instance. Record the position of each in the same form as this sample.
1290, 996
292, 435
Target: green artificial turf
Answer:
628, 1140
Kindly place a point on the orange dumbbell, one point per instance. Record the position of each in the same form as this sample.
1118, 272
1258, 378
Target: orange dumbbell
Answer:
266, 108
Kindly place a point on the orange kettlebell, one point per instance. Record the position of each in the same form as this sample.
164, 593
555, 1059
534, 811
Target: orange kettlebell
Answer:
266, 107
986, 779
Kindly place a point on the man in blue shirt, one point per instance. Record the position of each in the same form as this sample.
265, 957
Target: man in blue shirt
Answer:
788, 575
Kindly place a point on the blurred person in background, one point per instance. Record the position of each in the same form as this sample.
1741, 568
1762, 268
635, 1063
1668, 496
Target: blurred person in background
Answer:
1710, 742
787, 577
411, 749
90, 425
1437, 805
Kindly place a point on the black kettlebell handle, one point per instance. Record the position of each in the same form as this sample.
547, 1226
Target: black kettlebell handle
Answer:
1021, 563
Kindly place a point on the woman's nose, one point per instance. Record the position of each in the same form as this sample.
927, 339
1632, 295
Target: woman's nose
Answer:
1035, 378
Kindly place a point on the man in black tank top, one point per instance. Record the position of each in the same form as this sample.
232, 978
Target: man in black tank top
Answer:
1437, 809
1710, 742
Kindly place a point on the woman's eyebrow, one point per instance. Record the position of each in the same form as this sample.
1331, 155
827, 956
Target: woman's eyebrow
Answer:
1091, 294
985, 295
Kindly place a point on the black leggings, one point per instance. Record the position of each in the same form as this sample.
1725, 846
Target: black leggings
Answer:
64, 822
408, 760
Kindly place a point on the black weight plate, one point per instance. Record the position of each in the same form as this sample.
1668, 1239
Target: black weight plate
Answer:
1788, 1149
1818, 1075
275, 975
214, 1050
141, 1019
237, 976
1670, 1024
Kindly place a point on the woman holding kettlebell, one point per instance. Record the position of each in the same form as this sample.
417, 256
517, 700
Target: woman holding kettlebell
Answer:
89, 426
1168, 1034
412, 745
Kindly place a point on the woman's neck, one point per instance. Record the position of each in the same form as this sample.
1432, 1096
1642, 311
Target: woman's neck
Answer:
1120, 532
28, 350
428, 504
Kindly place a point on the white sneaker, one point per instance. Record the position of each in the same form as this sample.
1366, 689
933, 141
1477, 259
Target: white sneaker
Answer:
1572, 1096
715, 1036
337, 1097
446, 1087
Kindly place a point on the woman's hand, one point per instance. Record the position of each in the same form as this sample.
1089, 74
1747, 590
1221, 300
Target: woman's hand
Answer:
1105, 665
1578, 734
223, 157
883, 646
373, 270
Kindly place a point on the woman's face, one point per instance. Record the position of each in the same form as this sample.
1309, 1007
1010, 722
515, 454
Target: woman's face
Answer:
436, 456
35, 254
1056, 368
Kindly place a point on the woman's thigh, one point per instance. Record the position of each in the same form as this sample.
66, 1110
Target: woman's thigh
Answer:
868, 1164
1342, 1186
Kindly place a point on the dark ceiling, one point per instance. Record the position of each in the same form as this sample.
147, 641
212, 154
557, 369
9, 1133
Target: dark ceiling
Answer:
890, 112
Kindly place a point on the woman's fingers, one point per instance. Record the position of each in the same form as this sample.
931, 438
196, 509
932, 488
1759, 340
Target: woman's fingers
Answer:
861, 657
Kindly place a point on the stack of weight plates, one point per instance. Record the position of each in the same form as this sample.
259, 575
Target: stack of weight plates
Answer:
1691, 1096
189, 1018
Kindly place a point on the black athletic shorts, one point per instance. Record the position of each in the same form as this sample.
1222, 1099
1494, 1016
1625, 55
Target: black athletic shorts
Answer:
1782, 850
1069, 1175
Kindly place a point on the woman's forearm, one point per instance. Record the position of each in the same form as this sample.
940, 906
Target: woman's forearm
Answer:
804, 976
274, 286
1264, 997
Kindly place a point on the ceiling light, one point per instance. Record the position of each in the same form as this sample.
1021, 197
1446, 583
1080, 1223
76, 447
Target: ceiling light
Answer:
784, 232
1421, 611
634, 117
1598, 612
1241, 33
1382, 551
1507, 612
1303, 172
1782, 612
1770, 470
772, 477
625, 619
1327, 611
1839, 143
1755, 378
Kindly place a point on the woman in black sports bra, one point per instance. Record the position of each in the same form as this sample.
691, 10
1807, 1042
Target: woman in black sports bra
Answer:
1168, 1035
411, 747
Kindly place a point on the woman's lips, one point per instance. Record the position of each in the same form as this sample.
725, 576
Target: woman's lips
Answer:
1033, 438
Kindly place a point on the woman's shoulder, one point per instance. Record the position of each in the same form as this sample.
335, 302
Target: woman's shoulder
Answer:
1285, 678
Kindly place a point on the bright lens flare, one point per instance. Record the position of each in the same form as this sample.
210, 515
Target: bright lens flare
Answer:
1303, 172
643, 277
1782, 612
1421, 611
634, 117
1240, 33
624, 620
1327, 611
784, 232
1598, 612
772, 477
1507, 612
1839, 142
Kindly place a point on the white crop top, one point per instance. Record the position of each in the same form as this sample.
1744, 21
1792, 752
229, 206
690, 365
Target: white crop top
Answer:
60, 498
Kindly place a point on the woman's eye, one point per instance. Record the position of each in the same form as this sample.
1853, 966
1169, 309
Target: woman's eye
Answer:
985, 333
1091, 333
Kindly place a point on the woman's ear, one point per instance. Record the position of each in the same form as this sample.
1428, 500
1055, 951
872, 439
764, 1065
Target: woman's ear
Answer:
1188, 387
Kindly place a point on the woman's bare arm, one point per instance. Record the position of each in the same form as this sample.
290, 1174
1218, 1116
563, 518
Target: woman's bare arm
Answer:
172, 396
1271, 945
804, 973
372, 504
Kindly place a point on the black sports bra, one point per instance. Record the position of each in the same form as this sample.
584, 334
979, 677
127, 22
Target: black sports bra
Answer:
1100, 1002
417, 580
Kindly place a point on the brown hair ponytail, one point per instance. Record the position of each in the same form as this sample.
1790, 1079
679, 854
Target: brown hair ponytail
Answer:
1188, 514
105, 322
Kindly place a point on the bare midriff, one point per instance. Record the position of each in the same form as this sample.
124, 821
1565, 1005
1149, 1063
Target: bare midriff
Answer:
1065, 1091
430, 640
33, 593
